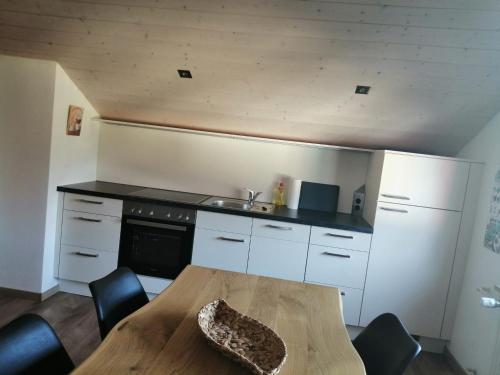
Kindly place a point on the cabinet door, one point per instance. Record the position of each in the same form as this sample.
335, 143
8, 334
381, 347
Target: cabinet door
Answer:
277, 258
343, 239
85, 265
94, 205
224, 222
221, 250
351, 304
424, 181
91, 231
410, 265
330, 265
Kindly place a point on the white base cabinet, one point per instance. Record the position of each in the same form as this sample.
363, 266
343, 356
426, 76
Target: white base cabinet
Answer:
286, 251
90, 238
281, 259
339, 258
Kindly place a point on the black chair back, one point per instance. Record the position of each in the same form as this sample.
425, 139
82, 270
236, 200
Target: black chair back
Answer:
29, 345
116, 296
385, 346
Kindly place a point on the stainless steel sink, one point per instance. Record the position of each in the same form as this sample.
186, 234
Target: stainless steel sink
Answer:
235, 205
238, 204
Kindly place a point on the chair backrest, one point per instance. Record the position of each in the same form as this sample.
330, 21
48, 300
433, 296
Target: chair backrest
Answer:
29, 345
116, 296
385, 346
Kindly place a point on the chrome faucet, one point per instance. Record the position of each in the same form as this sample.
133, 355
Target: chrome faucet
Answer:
252, 196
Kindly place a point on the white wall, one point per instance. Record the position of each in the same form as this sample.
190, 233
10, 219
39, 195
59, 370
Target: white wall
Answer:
72, 159
476, 329
35, 157
221, 166
26, 99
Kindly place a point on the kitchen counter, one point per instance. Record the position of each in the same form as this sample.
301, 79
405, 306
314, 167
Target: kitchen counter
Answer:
308, 217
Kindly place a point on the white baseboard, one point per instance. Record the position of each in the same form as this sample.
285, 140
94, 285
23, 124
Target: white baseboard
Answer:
49, 293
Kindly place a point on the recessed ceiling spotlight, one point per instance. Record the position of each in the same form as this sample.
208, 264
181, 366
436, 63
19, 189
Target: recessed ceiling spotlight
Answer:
362, 90
184, 73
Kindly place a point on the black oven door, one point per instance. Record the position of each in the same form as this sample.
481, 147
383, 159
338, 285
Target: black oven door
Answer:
155, 248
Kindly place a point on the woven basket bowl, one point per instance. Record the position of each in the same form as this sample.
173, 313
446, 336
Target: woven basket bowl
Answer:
241, 338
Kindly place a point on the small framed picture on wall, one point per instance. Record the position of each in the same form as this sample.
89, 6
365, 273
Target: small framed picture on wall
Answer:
75, 117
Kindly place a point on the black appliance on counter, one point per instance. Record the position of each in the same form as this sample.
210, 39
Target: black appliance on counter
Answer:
319, 197
157, 239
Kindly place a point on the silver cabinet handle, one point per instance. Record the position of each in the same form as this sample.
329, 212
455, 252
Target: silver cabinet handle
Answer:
89, 201
339, 236
396, 197
394, 210
87, 219
230, 239
335, 254
278, 227
88, 255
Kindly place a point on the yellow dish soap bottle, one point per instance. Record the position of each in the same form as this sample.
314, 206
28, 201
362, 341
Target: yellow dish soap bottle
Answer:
279, 194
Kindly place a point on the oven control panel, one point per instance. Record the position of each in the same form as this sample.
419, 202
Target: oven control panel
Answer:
159, 212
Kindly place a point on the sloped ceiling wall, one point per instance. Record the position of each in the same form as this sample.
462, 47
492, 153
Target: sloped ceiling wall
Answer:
278, 68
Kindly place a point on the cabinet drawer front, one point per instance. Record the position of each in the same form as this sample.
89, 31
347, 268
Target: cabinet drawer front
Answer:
343, 239
91, 231
221, 250
329, 265
424, 181
84, 265
277, 258
93, 205
224, 222
281, 230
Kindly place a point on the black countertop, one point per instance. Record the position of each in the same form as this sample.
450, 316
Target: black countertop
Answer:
308, 217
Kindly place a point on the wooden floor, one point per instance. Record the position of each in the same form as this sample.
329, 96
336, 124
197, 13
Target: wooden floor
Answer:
73, 318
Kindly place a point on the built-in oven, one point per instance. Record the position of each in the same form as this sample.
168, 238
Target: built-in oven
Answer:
156, 240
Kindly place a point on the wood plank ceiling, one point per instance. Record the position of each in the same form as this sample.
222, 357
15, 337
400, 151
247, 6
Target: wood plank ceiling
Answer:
278, 68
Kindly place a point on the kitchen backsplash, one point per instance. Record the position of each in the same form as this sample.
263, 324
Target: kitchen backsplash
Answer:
221, 166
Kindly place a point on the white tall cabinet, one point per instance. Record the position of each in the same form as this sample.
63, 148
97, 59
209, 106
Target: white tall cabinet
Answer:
416, 205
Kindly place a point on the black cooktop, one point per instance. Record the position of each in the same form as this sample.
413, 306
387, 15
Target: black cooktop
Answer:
169, 195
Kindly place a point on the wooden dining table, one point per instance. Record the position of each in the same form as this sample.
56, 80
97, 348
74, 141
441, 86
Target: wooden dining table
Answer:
163, 337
